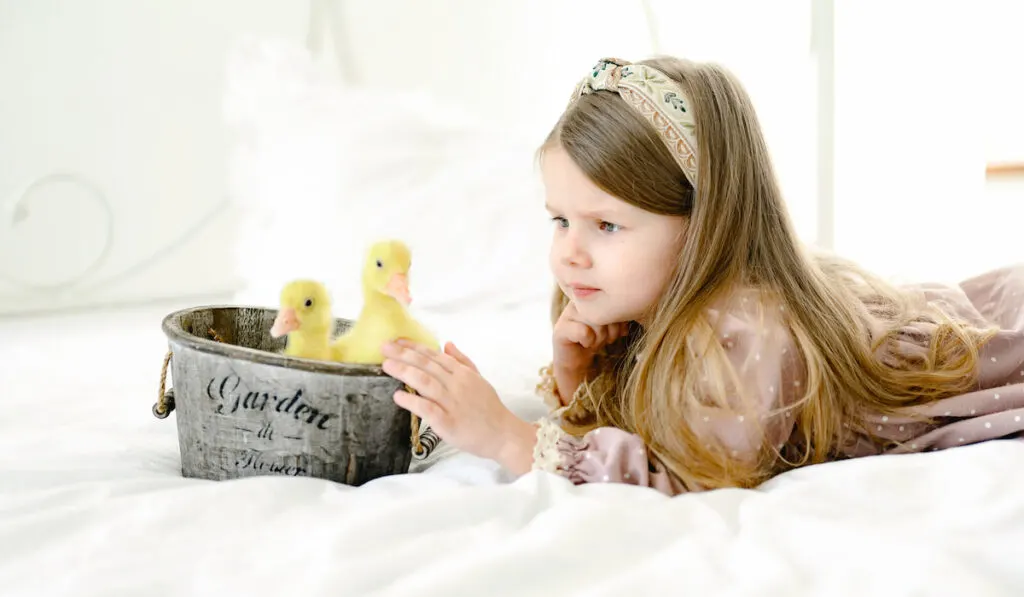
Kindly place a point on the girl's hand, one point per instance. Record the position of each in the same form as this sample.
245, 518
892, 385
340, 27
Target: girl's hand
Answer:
574, 344
459, 404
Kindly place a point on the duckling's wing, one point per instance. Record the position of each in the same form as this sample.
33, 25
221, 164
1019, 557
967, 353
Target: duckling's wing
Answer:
340, 347
418, 333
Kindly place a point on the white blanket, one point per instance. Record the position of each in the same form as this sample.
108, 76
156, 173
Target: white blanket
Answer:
92, 503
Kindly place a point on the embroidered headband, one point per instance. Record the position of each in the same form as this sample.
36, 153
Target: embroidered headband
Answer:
657, 98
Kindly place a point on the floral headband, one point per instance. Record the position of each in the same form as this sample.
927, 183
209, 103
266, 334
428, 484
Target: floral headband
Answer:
657, 98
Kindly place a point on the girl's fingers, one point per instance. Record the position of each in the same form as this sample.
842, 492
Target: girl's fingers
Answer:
612, 332
589, 336
620, 330
425, 358
424, 383
601, 334
428, 410
580, 333
450, 349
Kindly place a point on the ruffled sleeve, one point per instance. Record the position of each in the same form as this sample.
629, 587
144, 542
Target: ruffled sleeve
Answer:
604, 455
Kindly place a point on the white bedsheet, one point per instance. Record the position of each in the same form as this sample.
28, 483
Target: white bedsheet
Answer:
92, 503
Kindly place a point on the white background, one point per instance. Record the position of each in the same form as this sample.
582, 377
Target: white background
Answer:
126, 97
196, 160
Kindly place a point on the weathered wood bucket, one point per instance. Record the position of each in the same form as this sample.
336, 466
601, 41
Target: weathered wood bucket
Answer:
245, 410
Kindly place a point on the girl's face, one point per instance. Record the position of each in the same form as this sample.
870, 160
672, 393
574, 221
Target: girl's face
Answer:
611, 258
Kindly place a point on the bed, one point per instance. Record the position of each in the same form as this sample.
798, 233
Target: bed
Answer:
92, 500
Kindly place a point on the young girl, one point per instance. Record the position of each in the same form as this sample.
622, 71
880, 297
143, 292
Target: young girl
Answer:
696, 344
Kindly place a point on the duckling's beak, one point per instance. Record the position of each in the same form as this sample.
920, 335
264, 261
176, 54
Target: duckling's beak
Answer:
398, 288
285, 323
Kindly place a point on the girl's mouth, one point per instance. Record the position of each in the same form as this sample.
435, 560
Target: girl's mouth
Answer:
582, 292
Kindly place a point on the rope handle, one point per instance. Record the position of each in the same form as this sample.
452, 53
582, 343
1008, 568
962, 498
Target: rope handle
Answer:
165, 401
414, 423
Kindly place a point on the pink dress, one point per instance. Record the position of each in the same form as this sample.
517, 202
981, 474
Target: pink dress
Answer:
765, 361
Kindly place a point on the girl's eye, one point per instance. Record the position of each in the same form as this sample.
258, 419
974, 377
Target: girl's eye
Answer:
560, 221
609, 227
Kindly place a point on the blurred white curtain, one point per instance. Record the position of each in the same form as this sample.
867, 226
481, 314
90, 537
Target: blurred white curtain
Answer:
1001, 63
510, 62
913, 99
767, 45
513, 63
914, 94
112, 144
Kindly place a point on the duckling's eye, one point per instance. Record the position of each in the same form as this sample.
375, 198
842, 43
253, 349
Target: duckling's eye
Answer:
379, 264
309, 302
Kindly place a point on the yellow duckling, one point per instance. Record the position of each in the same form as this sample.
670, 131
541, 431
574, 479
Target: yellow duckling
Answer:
305, 317
384, 316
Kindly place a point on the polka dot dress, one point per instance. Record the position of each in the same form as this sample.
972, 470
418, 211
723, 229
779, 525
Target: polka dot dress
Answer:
996, 409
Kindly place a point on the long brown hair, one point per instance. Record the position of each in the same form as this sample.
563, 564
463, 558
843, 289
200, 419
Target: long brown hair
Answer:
739, 235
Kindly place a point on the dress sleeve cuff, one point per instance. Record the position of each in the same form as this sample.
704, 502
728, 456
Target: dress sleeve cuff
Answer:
557, 451
546, 454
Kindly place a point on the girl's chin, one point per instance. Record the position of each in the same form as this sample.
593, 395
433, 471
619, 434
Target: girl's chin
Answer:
596, 317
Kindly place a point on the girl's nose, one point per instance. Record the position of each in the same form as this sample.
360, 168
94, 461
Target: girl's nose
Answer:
574, 253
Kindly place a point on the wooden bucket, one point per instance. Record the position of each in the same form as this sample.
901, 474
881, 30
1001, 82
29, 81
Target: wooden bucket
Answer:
245, 410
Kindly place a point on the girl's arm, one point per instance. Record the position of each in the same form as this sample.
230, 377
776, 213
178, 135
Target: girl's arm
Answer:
768, 370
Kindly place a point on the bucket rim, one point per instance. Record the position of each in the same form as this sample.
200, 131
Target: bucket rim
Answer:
171, 326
